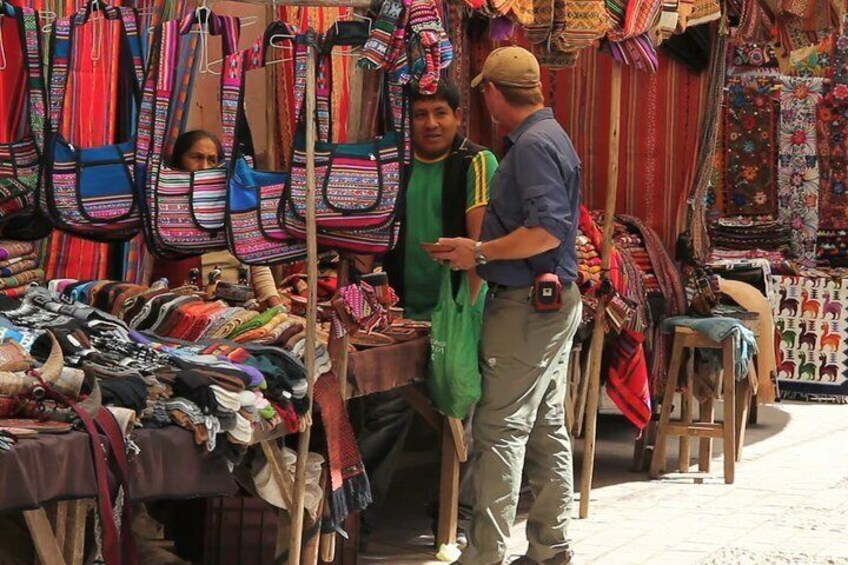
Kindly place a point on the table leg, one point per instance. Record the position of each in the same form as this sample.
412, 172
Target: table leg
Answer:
59, 520
449, 490
743, 404
46, 547
75, 539
311, 546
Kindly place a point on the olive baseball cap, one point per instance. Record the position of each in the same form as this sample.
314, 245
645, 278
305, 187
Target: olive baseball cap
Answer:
510, 66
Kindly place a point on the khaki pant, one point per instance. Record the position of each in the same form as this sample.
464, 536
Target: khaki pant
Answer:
519, 423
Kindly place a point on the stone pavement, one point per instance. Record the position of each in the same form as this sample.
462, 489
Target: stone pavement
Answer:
789, 503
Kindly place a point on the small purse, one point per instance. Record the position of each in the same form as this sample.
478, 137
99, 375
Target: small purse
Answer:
91, 191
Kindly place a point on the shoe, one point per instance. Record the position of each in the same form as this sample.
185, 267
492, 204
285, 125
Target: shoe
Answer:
461, 536
565, 558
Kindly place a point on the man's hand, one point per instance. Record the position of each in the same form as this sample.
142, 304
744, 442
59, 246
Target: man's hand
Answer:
461, 257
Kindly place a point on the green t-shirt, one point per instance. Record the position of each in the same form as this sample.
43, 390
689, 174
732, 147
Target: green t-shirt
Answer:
422, 275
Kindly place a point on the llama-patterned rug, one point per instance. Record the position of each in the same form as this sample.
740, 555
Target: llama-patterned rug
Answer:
811, 315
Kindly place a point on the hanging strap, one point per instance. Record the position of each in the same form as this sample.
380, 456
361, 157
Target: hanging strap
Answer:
231, 81
302, 43
227, 27
254, 57
108, 426
63, 31
35, 77
111, 541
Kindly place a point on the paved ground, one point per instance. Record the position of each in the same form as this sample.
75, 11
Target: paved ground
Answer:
789, 503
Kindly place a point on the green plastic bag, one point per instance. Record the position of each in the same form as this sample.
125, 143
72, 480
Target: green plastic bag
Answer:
455, 335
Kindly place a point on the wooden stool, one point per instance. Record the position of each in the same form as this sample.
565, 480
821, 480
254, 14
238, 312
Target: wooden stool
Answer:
706, 429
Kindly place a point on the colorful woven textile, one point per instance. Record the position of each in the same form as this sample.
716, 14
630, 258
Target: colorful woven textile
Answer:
639, 52
811, 314
833, 164
11, 249
814, 60
22, 112
753, 56
750, 133
586, 21
350, 490
798, 169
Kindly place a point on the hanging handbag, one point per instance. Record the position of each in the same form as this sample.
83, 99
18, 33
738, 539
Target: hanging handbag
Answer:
255, 235
20, 160
91, 191
359, 185
184, 211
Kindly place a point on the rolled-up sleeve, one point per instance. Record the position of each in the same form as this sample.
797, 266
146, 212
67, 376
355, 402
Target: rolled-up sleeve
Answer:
544, 189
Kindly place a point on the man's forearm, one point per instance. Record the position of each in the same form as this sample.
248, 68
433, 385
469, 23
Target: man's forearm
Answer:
519, 244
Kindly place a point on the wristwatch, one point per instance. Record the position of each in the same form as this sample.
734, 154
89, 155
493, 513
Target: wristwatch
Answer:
479, 258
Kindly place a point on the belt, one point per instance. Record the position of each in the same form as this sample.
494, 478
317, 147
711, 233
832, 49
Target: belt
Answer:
505, 288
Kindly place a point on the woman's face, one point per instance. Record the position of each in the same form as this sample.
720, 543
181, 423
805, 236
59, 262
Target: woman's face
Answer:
203, 154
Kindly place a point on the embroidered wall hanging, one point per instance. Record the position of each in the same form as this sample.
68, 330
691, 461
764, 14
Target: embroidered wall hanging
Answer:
750, 134
811, 315
798, 168
832, 123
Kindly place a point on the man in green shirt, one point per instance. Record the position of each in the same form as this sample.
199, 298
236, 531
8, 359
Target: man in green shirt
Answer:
446, 196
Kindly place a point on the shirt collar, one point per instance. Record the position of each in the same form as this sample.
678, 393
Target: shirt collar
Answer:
529, 121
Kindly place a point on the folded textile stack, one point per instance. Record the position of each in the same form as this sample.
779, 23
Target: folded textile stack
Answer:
589, 263
745, 234
209, 387
718, 255
185, 315
632, 242
18, 267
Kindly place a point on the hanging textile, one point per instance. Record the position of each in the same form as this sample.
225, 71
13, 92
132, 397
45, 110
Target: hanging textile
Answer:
320, 20
658, 111
12, 80
833, 144
798, 169
94, 80
750, 133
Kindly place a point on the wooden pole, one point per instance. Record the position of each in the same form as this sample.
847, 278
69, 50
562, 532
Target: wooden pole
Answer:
598, 331
311, 310
270, 104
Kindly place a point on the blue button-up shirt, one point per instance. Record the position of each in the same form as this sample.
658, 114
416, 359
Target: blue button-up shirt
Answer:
537, 184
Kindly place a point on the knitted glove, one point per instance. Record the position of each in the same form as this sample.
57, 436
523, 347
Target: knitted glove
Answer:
436, 48
380, 42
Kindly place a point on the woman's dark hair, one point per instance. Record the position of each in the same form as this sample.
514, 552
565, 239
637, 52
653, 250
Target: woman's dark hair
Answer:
446, 92
187, 140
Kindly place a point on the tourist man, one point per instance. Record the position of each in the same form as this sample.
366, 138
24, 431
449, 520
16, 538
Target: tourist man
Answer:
528, 231
445, 197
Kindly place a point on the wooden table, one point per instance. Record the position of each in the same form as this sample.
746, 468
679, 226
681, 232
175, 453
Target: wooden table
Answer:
403, 367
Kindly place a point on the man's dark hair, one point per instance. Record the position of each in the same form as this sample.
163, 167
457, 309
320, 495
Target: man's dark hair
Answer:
446, 92
184, 142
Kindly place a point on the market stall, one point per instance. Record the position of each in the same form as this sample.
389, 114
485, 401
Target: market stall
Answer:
312, 103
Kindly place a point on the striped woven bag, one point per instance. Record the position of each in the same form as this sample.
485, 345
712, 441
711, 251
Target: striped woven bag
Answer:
20, 159
91, 191
255, 235
586, 21
184, 211
359, 185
